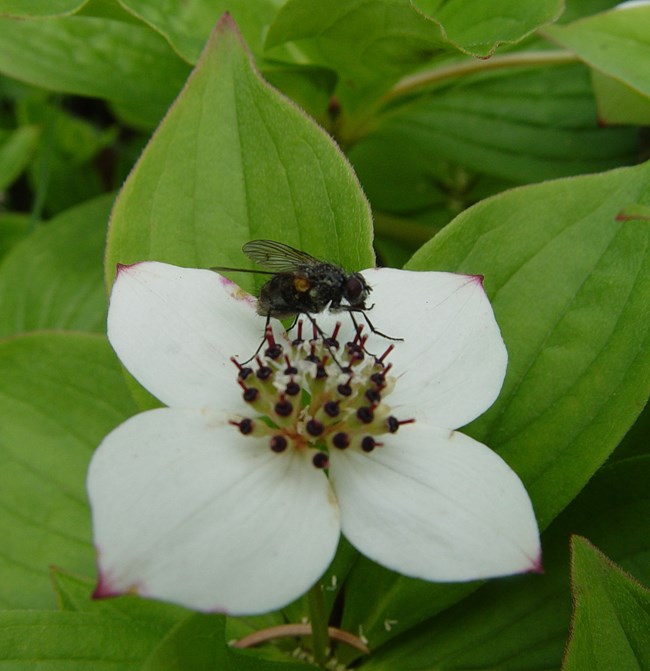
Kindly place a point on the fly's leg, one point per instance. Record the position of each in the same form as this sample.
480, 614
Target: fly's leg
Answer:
360, 342
295, 321
371, 326
265, 338
328, 342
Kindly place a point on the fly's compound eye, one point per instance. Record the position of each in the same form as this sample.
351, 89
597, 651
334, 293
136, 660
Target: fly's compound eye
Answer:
356, 289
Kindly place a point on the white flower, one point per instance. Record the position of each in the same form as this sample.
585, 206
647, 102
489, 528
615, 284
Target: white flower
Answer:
205, 504
632, 3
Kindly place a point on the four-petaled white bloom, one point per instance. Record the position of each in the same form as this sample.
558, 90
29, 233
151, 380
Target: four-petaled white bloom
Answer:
206, 504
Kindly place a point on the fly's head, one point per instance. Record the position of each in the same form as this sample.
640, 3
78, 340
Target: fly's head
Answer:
356, 290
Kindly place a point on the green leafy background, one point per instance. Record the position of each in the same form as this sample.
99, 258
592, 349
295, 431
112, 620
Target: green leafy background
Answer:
495, 138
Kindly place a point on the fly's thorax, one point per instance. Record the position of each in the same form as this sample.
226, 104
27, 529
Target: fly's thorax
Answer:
327, 285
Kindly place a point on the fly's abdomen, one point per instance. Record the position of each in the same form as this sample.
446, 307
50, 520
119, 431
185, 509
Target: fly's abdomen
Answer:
285, 295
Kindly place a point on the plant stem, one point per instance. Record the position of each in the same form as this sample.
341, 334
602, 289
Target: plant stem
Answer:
467, 67
293, 630
318, 618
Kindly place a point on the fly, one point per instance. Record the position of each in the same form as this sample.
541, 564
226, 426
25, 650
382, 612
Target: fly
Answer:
303, 284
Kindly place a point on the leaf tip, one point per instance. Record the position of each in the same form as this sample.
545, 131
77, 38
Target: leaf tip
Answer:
225, 35
227, 27
226, 24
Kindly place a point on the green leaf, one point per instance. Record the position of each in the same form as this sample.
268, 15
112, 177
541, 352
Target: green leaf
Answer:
522, 622
54, 278
16, 150
188, 26
64, 170
196, 643
32, 8
61, 394
14, 227
611, 617
478, 27
234, 161
615, 43
524, 125
619, 103
372, 43
569, 285
69, 641
114, 60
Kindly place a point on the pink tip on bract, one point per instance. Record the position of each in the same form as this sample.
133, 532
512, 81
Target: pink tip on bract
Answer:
537, 566
123, 267
217, 610
477, 279
103, 590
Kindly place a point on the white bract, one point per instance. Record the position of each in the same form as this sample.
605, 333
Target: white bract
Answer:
632, 3
233, 497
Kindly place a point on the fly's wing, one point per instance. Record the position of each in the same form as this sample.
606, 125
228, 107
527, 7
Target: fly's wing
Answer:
277, 257
219, 269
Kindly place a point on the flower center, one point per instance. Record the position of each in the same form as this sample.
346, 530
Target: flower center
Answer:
316, 395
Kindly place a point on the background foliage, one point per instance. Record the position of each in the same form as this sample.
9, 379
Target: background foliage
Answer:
500, 138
